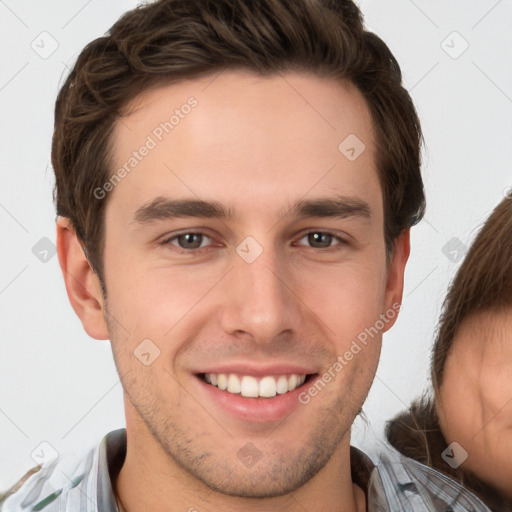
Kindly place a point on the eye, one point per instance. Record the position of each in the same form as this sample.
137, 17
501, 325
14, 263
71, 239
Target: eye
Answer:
190, 240
321, 239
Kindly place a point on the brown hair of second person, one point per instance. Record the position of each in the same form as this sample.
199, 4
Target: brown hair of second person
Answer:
483, 283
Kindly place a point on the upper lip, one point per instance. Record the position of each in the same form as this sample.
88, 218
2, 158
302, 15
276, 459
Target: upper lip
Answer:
258, 370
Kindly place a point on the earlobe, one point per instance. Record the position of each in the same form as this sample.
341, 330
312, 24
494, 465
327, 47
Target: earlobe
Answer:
395, 276
82, 284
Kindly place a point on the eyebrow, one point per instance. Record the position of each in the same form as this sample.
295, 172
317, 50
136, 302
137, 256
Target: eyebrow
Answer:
162, 208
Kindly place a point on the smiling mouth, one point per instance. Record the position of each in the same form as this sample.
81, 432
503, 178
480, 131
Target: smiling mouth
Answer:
249, 386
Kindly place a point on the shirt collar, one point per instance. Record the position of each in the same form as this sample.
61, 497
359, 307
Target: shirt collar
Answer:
112, 453
361, 467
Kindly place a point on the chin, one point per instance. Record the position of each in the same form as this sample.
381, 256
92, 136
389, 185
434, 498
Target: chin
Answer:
267, 481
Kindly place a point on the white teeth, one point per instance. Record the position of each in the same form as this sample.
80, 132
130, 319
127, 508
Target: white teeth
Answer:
222, 382
233, 384
249, 386
268, 387
282, 384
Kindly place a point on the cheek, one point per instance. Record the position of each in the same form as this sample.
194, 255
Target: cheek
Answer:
349, 303
152, 301
496, 392
475, 398
351, 297
458, 405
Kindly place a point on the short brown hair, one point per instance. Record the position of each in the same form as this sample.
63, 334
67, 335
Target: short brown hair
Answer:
172, 40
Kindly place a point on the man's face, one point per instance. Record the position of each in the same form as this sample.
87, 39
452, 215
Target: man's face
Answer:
268, 294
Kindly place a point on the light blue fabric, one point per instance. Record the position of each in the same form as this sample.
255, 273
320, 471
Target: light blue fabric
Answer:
400, 484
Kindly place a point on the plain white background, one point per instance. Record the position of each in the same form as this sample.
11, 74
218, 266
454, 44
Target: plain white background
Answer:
61, 387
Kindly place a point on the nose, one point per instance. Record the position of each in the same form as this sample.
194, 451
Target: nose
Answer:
259, 300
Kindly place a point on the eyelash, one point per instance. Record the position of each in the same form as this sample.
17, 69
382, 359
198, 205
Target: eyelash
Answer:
180, 250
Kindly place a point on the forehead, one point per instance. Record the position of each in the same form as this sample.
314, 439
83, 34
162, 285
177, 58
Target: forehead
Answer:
236, 136
485, 335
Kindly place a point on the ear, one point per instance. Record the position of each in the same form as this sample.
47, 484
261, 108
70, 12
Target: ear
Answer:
82, 284
395, 276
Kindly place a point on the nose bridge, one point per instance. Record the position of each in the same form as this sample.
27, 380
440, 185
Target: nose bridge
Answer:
258, 300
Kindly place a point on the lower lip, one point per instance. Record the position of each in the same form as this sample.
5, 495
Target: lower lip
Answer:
257, 410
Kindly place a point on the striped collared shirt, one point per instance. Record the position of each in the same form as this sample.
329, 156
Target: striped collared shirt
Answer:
394, 483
